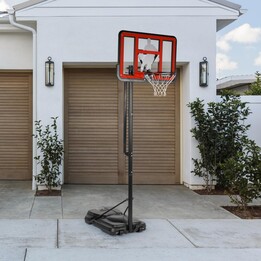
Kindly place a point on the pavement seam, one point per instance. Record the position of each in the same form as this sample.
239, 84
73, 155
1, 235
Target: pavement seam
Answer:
182, 234
25, 254
57, 234
62, 202
31, 210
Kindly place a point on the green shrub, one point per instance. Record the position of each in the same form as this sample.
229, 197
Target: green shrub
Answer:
255, 87
51, 154
219, 130
243, 174
227, 155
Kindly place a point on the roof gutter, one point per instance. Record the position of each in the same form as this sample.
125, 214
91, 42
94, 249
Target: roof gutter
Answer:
27, 4
12, 20
228, 4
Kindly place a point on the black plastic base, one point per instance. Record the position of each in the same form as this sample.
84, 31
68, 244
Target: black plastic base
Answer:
113, 222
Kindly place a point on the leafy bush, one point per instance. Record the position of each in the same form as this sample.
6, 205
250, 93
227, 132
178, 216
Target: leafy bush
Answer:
243, 173
219, 130
255, 87
51, 154
204, 132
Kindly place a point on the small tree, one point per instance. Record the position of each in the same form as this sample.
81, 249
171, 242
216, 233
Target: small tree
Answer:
243, 174
255, 87
219, 129
51, 154
205, 134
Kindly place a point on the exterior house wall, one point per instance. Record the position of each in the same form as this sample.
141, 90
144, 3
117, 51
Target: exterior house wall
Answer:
11, 56
86, 36
101, 46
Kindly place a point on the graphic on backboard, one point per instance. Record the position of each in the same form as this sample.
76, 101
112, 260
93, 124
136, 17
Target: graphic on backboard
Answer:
147, 60
144, 53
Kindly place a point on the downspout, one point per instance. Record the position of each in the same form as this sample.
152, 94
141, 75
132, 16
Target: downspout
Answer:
13, 22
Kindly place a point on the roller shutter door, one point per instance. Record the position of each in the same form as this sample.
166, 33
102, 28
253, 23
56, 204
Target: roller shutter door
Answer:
156, 135
94, 126
91, 129
15, 126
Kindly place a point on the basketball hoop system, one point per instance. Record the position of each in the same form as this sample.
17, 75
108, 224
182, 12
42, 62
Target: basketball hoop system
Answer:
142, 56
160, 82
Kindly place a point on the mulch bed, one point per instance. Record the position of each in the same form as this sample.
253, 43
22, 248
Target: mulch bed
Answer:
48, 193
252, 212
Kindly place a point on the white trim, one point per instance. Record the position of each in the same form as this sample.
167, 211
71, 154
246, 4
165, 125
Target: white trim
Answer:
227, 4
27, 4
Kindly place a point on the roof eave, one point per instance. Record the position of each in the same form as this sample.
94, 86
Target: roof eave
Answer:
227, 4
27, 4
223, 22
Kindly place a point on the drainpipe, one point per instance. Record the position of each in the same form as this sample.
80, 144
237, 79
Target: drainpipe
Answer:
13, 22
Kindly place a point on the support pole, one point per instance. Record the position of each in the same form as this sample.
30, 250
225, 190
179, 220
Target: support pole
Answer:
130, 155
128, 146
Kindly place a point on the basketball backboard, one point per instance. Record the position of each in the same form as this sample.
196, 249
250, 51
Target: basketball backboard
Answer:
143, 53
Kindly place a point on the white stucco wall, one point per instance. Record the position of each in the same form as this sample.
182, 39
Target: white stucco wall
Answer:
254, 119
90, 35
16, 51
74, 40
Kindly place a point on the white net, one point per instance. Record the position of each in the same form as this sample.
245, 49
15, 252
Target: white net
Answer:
160, 82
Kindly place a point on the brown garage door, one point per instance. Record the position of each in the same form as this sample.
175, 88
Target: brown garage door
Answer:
91, 126
15, 126
93, 130
156, 135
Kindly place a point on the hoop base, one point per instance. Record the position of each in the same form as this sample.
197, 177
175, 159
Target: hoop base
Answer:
160, 82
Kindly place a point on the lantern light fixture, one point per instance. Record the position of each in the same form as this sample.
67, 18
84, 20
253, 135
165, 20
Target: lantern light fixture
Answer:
49, 72
203, 72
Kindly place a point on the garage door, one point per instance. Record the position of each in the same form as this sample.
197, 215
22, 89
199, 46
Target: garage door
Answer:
91, 126
156, 135
15, 126
94, 125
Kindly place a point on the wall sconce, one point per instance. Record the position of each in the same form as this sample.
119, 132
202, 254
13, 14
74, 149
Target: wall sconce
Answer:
49, 72
203, 73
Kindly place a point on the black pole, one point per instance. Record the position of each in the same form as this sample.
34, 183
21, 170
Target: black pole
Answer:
130, 155
125, 118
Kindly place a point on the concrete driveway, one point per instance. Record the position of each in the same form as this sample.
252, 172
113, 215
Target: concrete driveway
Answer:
151, 202
181, 225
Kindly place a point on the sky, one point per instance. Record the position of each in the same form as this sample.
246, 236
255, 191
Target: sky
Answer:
238, 45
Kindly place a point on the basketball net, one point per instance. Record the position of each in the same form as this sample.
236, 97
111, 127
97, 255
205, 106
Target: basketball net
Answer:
160, 82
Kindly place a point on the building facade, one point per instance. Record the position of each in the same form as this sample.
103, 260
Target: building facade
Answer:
81, 37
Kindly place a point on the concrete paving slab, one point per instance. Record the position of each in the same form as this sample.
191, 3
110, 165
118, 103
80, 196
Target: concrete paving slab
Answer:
77, 199
47, 207
15, 206
149, 201
221, 233
12, 254
16, 199
159, 234
224, 200
179, 203
149, 254
218, 200
28, 233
